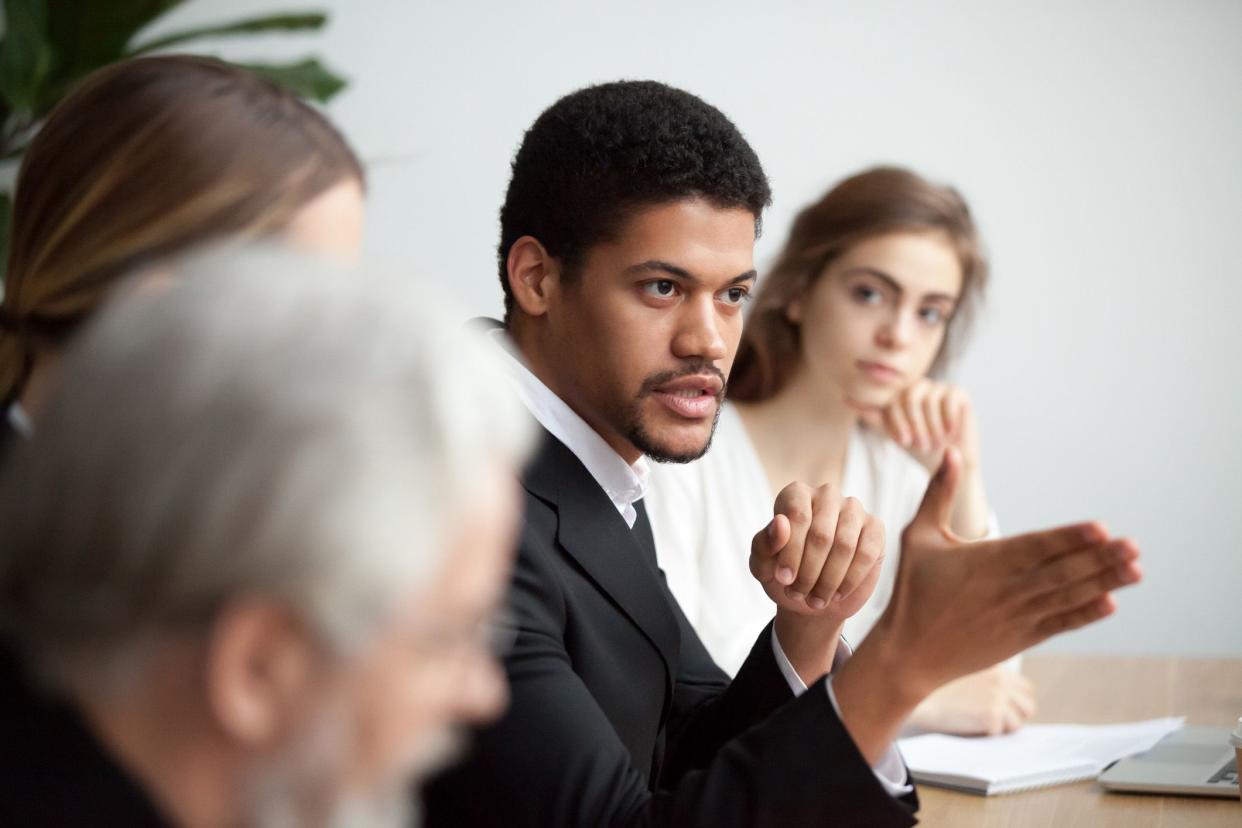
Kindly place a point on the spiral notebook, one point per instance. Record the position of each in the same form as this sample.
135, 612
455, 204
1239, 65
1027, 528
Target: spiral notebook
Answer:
1037, 756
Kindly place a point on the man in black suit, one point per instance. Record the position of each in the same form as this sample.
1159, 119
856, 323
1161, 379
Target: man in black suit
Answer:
627, 237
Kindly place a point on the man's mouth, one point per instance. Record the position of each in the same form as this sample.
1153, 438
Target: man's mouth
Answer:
693, 397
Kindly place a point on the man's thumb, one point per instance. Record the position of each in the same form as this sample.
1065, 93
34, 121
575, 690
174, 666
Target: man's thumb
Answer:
777, 533
936, 510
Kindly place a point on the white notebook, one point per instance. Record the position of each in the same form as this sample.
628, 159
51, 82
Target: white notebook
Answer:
1035, 757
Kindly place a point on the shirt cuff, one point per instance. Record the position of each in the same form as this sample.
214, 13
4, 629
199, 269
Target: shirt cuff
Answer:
796, 684
890, 771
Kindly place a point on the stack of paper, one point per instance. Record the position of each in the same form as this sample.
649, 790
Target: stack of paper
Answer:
1034, 757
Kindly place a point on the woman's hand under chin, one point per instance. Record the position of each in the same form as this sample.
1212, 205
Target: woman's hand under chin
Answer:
988, 703
926, 418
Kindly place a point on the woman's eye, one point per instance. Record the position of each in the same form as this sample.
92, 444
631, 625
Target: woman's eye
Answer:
866, 295
932, 316
663, 288
737, 295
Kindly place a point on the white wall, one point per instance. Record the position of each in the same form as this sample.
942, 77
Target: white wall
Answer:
1099, 143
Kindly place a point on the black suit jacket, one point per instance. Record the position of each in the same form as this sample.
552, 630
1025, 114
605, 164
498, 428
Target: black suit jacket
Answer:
619, 717
8, 437
53, 771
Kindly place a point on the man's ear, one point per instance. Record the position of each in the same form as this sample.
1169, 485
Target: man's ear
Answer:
260, 670
534, 275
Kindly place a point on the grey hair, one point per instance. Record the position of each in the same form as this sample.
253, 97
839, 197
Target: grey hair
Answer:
257, 425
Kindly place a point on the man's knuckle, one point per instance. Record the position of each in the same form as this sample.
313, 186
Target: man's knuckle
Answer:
827, 497
1063, 577
844, 544
818, 537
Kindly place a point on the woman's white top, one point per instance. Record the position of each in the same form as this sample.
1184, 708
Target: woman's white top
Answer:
704, 515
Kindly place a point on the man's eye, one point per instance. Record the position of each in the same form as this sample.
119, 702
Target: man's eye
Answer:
737, 295
662, 288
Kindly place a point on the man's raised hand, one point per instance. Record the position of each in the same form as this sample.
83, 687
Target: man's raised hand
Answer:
820, 555
958, 607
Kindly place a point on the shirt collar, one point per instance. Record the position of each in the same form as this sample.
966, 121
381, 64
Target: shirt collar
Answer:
625, 484
20, 421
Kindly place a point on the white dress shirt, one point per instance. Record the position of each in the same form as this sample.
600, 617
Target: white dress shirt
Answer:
20, 420
625, 485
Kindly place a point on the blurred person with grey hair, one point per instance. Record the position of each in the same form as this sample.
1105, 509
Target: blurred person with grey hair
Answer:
250, 559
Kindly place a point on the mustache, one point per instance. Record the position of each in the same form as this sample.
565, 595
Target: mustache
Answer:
693, 368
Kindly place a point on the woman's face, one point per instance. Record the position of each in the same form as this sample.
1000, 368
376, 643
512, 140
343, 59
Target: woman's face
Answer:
874, 320
330, 224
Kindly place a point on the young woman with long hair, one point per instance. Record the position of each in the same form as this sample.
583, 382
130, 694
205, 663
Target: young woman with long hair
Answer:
147, 158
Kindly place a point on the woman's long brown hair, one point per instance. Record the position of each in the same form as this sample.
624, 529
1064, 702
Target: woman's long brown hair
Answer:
145, 158
872, 203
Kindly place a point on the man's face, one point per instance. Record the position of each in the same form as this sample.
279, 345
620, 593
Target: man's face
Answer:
435, 672
394, 712
640, 343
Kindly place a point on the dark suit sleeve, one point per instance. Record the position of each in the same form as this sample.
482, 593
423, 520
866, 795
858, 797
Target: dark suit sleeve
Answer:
708, 708
710, 725
555, 759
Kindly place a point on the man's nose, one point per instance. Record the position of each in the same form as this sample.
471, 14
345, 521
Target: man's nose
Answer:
699, 333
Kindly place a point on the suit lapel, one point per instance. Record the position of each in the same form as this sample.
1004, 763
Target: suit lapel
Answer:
597, 537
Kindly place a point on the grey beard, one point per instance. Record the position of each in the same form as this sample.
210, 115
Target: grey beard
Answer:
294, 788
398, 805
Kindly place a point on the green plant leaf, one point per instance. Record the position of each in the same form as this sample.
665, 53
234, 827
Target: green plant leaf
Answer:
87, 34
254, 25
25, 55
309, 78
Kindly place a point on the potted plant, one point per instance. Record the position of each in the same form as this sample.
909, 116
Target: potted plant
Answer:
49, 45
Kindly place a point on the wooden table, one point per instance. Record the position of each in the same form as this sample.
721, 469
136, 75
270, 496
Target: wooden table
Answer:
1101, 690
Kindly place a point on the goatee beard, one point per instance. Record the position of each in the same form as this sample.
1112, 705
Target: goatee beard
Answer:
637, 434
